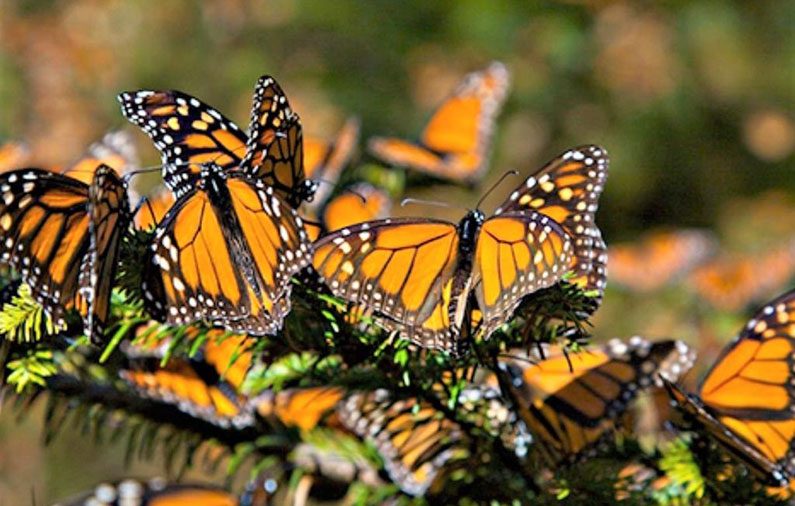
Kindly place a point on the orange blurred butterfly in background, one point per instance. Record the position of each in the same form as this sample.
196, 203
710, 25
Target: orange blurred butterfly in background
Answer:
116, 150
658, 258
746, 402
13, 155
155, 492
456, 142
732, 282
324, 161
418, 274
227, 248
572, 401
62, 236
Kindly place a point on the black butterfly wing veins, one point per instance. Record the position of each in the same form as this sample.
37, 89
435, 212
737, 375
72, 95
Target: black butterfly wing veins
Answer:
567, 190
187, 132
225, 254
274, 152
44, 235
109, 216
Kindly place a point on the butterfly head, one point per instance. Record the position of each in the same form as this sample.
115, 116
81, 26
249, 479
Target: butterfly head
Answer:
305, 192
468, 229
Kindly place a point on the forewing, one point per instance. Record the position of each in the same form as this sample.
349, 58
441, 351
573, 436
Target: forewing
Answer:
567, 189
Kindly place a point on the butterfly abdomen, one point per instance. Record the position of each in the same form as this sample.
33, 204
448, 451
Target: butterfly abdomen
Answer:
468, 230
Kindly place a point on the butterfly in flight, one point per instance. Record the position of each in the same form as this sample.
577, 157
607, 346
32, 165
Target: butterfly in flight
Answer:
325, 160
227, 248
62, 236
659, 258
418, 444
190, 135
456, 142
746, 402
154, 492
571, 401
419, 274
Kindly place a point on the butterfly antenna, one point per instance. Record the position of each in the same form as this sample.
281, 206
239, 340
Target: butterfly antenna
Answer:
361, 197
495, 185
410, 200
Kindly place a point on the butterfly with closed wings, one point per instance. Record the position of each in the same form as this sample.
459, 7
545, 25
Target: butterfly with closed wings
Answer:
227, 248
62, 236
455, 143
746, 402
423, 277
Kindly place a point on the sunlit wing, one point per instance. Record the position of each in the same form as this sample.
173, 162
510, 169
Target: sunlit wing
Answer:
363, 202
156, 492
198, 273
456, 142
658, 258
116, 150
416, 442
567, 189
401, 268
746, 400
274, 153
517, 254
154, 209
302, 408
44, 235
326, 161
109, 214
570, 402
187, 132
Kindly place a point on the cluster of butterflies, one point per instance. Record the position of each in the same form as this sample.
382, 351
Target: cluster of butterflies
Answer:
233, 233
233, 226
725, 281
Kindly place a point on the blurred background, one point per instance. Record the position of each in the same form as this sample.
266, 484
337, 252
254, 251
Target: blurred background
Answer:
693, 100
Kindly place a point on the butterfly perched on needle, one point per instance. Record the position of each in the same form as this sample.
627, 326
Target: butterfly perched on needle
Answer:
190, 134
417, 443
572, 401
62, 236
154, 492
746, 402
423, 277
455, 143
659, 258
227, 248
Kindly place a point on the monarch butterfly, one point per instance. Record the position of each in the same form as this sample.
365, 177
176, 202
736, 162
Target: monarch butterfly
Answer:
416, 442
571, 401
324, 160
155, 492
419, 274
658, 258
191, 134
115, 149
364, 202
63, 237
732, 282
745, 402
457, 139
208, 385
302, 408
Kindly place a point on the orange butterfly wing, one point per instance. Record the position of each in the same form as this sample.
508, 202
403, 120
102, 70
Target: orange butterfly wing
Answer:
202, 274
570, 402
746, 400
567, 189
348, 208
455, 143
326, 161
186, 131
154, 209
156, 492
116, 150
13, 155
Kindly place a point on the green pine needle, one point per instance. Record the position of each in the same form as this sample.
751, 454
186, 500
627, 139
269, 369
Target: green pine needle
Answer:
24, 319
